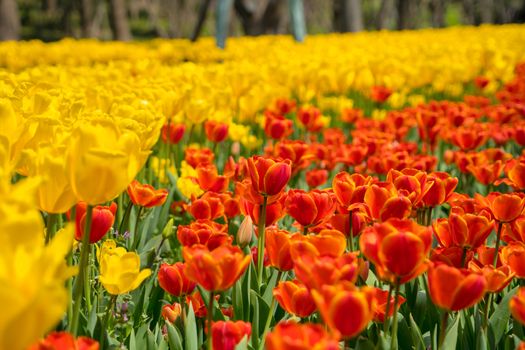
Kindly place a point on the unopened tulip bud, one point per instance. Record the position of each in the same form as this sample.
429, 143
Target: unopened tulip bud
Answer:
167, 231
245, 232
171, 312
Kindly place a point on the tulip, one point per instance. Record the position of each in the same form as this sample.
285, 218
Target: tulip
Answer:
517, 306
515, 232
504, 207
245, 232
209, 178
310, 118
278, 248
514, 256
173, 280
466, 231
65, 341
120, 271
441, 186
205, 232
101, 221
216, 131
398, 249
350, 189
195, 156
455, 289
453, 256
207, 207
227, 334
269, 177
145, 195
385, 308
310, 208
380, 94
215, 270
197, 303
171, 312
515, 170
308, 336
172, 133
294, 298
277, 127
497, 278
345, 309
316, 178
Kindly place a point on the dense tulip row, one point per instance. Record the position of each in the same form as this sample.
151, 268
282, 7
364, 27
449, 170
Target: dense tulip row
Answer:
251, 201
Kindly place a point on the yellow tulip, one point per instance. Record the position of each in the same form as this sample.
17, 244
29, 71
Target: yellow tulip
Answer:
120, 270
102, 161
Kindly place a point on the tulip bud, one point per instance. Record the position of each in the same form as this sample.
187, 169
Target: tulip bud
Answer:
167, 231
245, 232
171, 312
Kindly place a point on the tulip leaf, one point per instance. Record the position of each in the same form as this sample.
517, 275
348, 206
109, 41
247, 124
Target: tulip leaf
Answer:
132, 341
500, 318
268, 292
243, 344
481, 341
254, 301
364, 344
174, 337
151, 340
190, 331
417, 337
451, 337
92, 320
237, 301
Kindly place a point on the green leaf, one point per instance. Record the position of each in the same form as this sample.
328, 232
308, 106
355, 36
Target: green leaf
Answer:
451, 336
174, 337
152, 345
243, 344
132, 342
500, 318
417, 337
237, 301
364, 344
190, 331
268, 292
254, 301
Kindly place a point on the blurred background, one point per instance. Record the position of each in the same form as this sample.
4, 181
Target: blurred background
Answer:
51, 20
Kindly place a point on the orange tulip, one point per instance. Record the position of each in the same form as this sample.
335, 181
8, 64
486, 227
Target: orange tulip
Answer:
515, 170
345, 309
380, 94
514, 256
341, 222
216, 131
215, 270
173, 280
198, 304
274, 211
504, 207
455, 289
410, 183
381, 297
310, 208
316, 178
466, 231
269, 177
486, 255
170, 312
298, 152
145, 195
325, 243
289, 335
349, 189
481, 82
486, 173
469, 137
497, 277
205, 232
294, 298
398, 249
517, 306
195, 156
277, 126
226, 335
65, 341
207, 207
310, 117
452, 256
382, 202
442, 185
101, 221
172, 133
278, 248
515, 232
209, 179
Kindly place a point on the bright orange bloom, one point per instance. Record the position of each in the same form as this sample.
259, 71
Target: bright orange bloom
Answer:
198, 304
517, 306
208, 207
316, 178
294, 298
209, 179
172, 133
410, 183
341, 222
486, 255
380, 94
345, 309
351, 115
504, 207
298, 152
205, 232
277, 246
514, 256
469, 137
277, 126
381, 297
515, 232
282, 106
101, 221
325, 243
455, 289
310, 117
269, 177
289, 335
225, 335
195, 156
481, 82
466, 231
171, 312
215, 270
397, 248
65, 341
350, 189
274, 211
497, 277
452, 256
515, 171
442, 185
486, 173
310, 208
173, 279
216, 131
145, 195
382, 202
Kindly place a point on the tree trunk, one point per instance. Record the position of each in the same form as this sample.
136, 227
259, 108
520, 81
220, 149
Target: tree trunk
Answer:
385, 14
9, 20
261, 17
486, 9
348, 16
469, 14
406, 14
437, 9
86, 17
118, 20
203, 11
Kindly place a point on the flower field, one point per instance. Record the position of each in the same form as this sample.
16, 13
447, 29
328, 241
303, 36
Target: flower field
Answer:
360, 191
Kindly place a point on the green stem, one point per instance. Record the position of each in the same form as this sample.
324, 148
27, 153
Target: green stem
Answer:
429, 216
51, 226
105, 321
500, 226
305, 230
464, 256
124, 223
486, 311
350, 238
260, 245
393, 342
136, 237
443, 330
387, 310
210, 320
85, 249
273, 305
